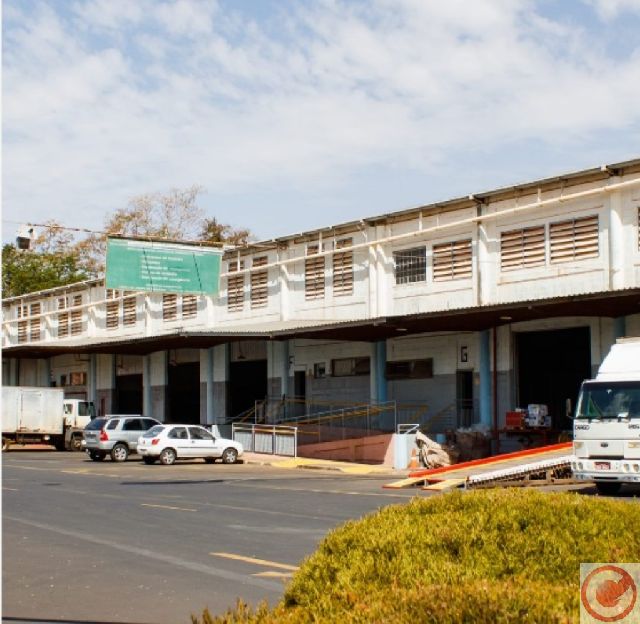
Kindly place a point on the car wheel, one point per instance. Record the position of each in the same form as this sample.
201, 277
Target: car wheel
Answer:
119, 453
95, 456
149, 460
229, 456
209, 460
609, 488
167, 457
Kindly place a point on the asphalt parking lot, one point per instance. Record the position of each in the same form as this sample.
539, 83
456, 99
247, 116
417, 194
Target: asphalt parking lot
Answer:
107, 542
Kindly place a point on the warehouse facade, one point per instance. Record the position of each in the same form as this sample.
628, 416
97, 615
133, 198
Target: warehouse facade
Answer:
470, 307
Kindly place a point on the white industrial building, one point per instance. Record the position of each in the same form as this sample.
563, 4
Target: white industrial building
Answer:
470, 307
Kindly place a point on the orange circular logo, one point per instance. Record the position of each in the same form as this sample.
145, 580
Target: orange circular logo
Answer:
608, 593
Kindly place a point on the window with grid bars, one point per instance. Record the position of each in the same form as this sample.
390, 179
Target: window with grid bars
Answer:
350, 367
169, 307
112, 308
410, 265
574, 239
77, 316
189, 306
343, 268
63, 318
34, 323
522, 248
452, 260
313, 274
129, 309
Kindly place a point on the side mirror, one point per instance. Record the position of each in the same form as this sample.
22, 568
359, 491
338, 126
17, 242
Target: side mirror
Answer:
569, 409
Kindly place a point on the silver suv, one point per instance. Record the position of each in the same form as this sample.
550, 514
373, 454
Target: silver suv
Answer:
115, 435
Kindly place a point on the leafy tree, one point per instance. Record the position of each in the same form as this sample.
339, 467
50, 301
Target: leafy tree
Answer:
214, 232
26, 271
57, 258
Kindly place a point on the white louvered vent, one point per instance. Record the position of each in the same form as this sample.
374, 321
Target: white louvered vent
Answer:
343, 268
452, 260
574, 239
523, 248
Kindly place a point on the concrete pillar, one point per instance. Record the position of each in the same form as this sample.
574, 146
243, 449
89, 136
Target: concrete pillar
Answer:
616, 240
377, 376
619, 327
485, 377
207, 411
221, 360
159, 379
147, 396
105, 383
92, 376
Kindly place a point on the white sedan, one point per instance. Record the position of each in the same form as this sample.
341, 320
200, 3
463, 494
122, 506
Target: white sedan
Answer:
170, 442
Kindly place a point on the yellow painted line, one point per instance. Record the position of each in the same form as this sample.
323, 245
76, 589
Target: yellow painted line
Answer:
11, 489
262, 562
403, 483
167, 507
274, 574
447, 484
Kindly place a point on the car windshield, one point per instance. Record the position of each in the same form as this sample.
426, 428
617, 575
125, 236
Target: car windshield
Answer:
615, 399
154, 431
96, 424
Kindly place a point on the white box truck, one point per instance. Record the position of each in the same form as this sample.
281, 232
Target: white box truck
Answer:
606, 428
35, 415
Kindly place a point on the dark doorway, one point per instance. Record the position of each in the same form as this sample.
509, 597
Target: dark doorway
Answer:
248, 384
184, 393
551, 367
300, 393
128, 394
464, 398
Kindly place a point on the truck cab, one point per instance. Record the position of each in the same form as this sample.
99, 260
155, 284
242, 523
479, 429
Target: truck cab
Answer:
77, 415
606, 439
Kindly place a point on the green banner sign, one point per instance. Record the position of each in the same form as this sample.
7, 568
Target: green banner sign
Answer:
162, 267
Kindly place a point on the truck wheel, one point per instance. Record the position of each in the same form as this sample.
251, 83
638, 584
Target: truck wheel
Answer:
119, 453
167, 457
75, 444
609, 488
229, 456
96, 456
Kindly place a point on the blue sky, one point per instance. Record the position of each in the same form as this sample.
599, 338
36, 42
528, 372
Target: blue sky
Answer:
296, 115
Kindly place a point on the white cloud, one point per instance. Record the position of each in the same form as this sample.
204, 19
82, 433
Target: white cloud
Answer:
144, 96
610, 9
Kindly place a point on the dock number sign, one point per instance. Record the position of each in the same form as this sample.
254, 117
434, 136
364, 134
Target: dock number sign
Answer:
162, 267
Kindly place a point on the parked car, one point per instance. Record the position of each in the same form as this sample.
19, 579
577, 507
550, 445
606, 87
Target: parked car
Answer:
115, 435
170, 442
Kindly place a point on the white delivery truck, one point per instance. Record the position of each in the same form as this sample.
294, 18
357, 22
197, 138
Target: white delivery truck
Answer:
32, 415
606, 429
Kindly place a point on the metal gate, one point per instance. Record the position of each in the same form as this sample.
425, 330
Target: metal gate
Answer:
268, 439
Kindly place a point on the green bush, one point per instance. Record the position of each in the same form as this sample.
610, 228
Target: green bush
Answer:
486, 556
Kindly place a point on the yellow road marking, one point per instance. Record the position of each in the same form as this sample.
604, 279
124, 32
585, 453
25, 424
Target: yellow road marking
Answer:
93, 474
167, 507
274, 574
262, 562
12, 489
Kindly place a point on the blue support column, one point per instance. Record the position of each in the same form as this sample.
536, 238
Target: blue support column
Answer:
485, 378
619, 327
380, 366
